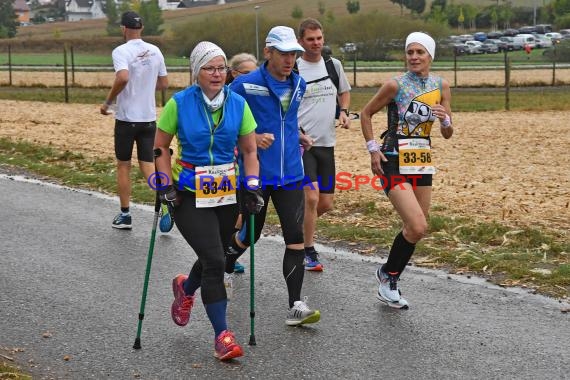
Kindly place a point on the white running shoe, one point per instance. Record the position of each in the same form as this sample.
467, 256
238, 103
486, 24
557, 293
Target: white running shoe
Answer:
300, 314
229, 284
388, 291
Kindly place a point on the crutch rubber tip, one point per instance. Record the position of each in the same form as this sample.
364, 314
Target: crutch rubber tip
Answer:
137, 345
252, 340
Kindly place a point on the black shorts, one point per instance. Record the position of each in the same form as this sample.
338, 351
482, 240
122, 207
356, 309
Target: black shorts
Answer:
393, 178
126, 133
320, 167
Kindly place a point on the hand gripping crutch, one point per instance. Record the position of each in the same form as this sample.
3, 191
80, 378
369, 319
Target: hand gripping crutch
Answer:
137, 344
252, 279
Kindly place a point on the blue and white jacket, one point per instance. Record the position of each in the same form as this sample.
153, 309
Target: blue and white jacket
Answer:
281, 163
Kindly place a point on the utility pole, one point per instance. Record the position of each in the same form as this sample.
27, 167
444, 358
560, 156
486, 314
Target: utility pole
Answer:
257, 31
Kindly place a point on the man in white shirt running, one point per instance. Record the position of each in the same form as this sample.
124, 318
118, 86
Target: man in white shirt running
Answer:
139, 72
317, 120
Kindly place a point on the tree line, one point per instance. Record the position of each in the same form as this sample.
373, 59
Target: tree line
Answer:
500, 15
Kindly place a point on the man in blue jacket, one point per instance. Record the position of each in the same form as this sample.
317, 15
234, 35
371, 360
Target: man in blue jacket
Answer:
274, 93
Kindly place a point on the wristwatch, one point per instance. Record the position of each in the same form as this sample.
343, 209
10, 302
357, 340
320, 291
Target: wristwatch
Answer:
345, 110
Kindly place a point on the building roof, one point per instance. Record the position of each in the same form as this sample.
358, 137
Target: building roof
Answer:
20, 5
84, 3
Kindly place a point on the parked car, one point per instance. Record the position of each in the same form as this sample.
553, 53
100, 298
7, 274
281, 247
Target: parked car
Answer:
510, 43
496, 34
510, 32
543, 28
458, 49
489, 47
480, 36
543, 42
525, 39
348, 47
564, 32
473, 47
465, 37
527, 29
554, 36
501, 45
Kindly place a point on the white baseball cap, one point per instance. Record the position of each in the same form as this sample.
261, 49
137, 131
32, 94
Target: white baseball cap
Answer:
283, 39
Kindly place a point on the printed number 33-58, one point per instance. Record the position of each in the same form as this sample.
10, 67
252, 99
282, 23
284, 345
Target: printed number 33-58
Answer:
413, 157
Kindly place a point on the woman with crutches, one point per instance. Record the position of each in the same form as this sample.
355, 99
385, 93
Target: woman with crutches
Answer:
208, 121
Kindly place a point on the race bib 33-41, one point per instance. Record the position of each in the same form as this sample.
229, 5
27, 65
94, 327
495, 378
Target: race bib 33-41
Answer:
215, 185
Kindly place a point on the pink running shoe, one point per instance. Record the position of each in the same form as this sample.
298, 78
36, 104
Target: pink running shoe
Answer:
182, 304
226, 346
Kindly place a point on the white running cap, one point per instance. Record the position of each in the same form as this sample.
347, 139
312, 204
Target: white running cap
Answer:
423, 39
283, 39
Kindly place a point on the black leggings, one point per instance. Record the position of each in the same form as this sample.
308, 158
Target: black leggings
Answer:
289, 203
208, 231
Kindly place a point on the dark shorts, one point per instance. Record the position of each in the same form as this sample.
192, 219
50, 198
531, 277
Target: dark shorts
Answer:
126, 133
320, 167
393, 178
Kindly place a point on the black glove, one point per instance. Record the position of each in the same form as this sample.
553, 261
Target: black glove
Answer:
167, 197
253, 200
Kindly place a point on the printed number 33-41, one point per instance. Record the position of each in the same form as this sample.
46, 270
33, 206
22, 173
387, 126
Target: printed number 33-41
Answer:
212, 187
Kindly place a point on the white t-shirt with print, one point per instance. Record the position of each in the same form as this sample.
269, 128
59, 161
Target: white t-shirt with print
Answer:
317, 109
145, 63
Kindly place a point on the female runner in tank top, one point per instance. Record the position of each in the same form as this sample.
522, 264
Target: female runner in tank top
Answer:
403, 161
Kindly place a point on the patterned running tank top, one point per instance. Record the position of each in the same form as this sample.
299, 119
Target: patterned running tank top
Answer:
410, 113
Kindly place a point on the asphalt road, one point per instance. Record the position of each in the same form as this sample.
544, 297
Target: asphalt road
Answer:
70, 288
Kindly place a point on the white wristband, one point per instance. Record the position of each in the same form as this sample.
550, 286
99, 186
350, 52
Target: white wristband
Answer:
372, 146
253, 183
446, 123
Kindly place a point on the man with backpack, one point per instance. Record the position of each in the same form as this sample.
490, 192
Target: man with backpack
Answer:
327, 90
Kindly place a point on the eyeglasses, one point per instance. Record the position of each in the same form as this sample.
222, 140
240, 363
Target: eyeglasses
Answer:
211, 70
243, 72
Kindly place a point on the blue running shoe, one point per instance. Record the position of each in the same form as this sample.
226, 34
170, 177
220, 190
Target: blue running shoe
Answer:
122, 222
313, 264
239, 267
166, 220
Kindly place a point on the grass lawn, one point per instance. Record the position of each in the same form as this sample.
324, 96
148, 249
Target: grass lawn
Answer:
472, 99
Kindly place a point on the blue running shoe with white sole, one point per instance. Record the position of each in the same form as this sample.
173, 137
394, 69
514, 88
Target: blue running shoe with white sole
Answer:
239, 267
122, 222
166, 220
